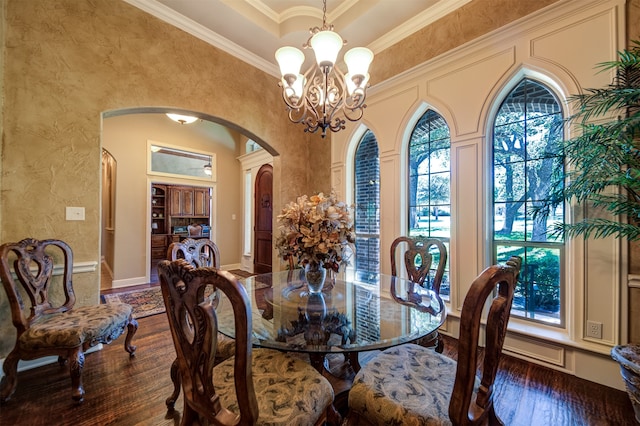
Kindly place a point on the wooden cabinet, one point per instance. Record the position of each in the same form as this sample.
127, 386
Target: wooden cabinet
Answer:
159, 247
201, 202
188, 201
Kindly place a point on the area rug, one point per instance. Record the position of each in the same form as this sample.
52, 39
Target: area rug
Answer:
148, 301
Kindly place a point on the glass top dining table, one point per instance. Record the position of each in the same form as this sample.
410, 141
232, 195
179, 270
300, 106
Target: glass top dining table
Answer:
354, 312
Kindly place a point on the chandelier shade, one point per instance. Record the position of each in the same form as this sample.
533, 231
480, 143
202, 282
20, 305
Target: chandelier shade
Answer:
326, 45
358, 60
290, 60
182, 119
324, 96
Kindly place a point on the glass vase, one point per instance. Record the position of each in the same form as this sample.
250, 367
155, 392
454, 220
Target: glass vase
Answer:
315, 275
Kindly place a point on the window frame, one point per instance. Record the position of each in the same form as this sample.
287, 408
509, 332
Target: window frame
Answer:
565, 245
367, 235
409, 208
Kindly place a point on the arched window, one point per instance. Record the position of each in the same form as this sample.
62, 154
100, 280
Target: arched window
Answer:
527, 152
429, 198
367, 205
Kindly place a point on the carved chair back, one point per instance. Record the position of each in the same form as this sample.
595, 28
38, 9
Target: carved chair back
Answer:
199, 253
33, 266
193, 323
194, 230
470, 405
418, 259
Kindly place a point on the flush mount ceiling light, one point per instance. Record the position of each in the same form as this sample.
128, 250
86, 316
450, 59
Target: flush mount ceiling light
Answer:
182, 119
207, 169
321, 97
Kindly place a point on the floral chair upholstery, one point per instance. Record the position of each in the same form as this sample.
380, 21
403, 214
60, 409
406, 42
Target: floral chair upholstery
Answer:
255, 386
200, 252
48, 323
413, 385
418, 260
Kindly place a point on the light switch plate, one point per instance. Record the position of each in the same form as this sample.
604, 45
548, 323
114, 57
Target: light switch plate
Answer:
75, 213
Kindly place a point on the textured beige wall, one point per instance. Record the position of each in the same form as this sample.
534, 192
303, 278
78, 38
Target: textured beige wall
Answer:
471, 21
68, 61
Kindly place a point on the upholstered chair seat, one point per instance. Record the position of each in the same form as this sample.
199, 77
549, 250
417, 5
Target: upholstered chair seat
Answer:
408, 385
86, 325
280, 379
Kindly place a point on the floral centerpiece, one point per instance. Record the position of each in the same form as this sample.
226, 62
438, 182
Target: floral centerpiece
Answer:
316, 229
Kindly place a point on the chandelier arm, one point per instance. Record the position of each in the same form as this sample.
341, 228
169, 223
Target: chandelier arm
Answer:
358, 113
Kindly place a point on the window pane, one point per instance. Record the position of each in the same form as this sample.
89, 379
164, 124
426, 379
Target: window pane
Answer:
544, 136
429, 177
508, 222
440, 222
508, 141
438, 190
439, 160
367, 205
538, 292
509, 182
171, 161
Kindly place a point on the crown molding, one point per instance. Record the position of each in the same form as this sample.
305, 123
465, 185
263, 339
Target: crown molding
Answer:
169, 16
427, 17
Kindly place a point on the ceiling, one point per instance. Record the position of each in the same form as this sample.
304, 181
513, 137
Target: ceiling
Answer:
253, 30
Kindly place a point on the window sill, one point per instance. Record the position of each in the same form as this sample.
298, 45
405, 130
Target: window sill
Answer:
552, 335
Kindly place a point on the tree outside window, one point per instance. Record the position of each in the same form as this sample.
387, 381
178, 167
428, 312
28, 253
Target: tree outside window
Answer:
527, 155
430, 183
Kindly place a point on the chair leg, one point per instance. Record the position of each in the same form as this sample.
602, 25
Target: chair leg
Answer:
189, 416
439, 344
175, 378
132, 327
9, 382
76, 364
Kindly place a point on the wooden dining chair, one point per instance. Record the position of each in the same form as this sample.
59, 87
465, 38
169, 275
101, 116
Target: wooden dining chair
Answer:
410, 384
418, 256
199, 253
194, 230
255, 386
46, 320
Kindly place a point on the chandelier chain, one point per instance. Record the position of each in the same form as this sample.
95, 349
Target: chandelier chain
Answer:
324, 13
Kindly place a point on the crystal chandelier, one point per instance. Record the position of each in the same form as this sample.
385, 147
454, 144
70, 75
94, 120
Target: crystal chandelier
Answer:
324, 96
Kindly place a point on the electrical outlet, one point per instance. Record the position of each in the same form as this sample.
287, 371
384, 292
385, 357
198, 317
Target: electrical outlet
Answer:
594, 329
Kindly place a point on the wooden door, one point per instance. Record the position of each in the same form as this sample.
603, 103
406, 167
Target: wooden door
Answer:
263, 202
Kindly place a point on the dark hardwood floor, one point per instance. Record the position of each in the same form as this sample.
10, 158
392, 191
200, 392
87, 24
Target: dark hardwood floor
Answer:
123, 391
